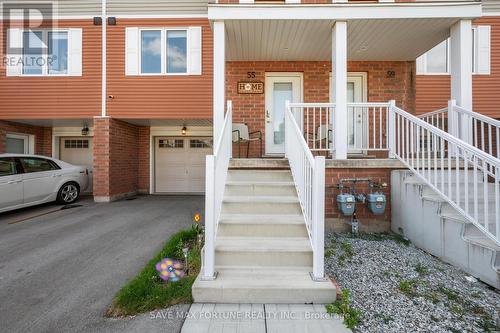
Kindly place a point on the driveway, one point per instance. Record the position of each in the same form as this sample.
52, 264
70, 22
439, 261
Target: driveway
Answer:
60, 270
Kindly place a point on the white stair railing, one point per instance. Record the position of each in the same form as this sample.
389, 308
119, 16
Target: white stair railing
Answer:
464, 176
315, 121
438, 118
216, 174
474, 128
309, 177
479, 130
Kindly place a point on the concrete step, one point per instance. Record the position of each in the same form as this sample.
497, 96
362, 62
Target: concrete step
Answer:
259, 163
242, 225
263, 251
256, 285
260, 188
261, 205
259, 175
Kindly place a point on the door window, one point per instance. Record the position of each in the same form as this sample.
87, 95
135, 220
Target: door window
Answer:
282, 92
7, 167
37, 165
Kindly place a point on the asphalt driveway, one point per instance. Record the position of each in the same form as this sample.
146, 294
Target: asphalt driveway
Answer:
60, 270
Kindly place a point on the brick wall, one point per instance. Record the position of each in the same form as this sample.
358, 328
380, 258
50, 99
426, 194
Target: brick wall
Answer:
120, 161
249, 108
368, 221
43, 136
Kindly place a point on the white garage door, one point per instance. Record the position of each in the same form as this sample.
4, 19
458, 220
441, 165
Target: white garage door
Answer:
180, 164
78, 151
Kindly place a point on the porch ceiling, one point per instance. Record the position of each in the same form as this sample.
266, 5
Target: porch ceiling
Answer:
368, 39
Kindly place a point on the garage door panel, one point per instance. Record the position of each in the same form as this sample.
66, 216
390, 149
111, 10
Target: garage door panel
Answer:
78, 151
180, 164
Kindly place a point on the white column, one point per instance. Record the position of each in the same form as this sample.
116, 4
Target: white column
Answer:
339, 91
103, 59
219, 78
461, 70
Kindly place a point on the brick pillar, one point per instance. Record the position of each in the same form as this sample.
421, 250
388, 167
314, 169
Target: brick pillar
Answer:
116, 159
101, 159
144, 159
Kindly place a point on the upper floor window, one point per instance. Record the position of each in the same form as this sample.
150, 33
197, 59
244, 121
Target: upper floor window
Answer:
165, 51
437, 60
44, 52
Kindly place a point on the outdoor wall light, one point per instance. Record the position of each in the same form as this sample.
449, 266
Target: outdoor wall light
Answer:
112, 20
97, 20
184, 130
85, 130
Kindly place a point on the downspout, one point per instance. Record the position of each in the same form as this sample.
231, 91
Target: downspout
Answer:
103, 60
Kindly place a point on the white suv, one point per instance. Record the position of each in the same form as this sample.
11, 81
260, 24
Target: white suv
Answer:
27, 180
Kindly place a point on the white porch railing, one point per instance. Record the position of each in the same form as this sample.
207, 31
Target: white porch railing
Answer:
466, 177
216, 174
474, 128
309, 177
368, 125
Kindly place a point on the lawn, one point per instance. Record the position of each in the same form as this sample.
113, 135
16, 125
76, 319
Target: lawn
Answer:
148, 292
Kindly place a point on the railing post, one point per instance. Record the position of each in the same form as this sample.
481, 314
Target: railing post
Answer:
209, 250
391, 135
318, 273
229, 108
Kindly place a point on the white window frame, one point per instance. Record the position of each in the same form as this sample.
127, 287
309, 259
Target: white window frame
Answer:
29, 141
45, 52
423, 62
163, 42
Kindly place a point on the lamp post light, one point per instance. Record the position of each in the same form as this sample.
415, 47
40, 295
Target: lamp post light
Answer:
185, 251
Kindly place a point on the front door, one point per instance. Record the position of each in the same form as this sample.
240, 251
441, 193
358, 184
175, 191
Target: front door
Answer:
356, 121
280, 87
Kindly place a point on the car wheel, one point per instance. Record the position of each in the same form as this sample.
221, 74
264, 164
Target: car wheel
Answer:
68, 193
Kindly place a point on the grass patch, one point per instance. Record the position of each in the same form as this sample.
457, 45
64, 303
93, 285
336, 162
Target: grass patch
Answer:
342, 307
408, 287
147, 291
421, 269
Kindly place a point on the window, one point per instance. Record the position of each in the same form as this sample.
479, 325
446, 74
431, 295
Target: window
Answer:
176, 51
170, 143
163, 51
174, 54
437, 60
201, 143
18, 143
76, 143
7, 167
151, 52
37, 165
33, 57
58, 52
45, 53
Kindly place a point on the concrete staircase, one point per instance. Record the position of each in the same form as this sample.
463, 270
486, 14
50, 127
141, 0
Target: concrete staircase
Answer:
262, 250
435, 226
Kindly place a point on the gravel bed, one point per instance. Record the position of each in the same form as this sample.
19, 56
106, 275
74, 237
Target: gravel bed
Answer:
400, 288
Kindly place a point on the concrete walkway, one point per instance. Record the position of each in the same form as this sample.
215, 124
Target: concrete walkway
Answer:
60, 270
261, 318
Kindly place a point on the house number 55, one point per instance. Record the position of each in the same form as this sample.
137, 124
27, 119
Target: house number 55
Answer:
251, 75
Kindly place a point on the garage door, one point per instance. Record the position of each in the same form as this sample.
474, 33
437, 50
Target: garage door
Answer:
180, 164
78, 151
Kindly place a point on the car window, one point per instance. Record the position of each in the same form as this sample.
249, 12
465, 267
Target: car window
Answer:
37, 165
7, 167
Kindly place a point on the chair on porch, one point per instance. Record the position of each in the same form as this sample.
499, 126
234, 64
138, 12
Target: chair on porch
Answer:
241, 134
323, 138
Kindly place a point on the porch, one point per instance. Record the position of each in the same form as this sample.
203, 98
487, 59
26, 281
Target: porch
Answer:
309, 116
